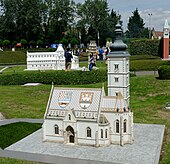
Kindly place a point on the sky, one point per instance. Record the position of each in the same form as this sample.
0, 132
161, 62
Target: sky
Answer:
153, 12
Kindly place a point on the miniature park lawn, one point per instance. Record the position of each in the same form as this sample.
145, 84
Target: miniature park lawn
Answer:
148, 98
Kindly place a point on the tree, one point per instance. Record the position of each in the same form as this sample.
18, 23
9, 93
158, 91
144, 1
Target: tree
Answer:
21, 19
64, 41
39, 43
61, 15
6, 43
7, 19
74, 41
94, 16
136, 26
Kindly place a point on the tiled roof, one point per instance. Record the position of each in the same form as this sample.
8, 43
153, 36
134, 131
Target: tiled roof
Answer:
86, 103
158, 34
114, 104
79, 99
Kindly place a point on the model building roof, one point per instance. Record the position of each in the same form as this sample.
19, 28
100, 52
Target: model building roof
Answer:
84, 103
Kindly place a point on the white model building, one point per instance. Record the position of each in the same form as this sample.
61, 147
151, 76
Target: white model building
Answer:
86, 116
49, 60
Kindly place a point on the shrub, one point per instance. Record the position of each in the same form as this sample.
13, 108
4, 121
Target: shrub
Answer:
144, 47
164, 72
58, 77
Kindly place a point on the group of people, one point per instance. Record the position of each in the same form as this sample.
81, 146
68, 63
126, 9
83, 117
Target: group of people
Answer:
102, 54
68, 58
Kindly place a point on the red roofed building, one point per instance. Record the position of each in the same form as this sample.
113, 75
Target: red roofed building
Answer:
157, 34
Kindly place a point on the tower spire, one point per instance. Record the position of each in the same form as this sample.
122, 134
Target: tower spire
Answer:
118, 44
166, 26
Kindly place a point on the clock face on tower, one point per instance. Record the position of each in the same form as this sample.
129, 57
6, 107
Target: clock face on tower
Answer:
166, 34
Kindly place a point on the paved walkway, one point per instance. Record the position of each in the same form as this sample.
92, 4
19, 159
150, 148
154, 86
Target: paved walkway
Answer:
47, 158
143, 73
145, 150
3, 69
9, 121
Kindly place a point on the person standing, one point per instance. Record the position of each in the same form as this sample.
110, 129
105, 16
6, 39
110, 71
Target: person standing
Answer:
92, 63
68, 57
101, 54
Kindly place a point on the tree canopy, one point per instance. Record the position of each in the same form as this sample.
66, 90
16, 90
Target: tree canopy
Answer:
136, 27
61, 21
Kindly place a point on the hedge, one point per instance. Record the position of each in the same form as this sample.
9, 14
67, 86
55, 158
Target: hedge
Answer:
144, 47
57, 77
164, 72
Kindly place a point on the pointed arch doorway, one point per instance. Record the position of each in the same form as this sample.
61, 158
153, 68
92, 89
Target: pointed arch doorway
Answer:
70, 135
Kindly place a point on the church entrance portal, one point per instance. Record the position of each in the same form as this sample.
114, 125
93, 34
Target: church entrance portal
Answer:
70, 134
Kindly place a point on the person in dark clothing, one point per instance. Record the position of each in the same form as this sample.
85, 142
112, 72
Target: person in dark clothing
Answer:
68, 57
92, 63
101, 54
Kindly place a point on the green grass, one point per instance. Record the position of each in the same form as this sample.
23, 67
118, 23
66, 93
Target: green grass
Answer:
145, 65
15, 161
12, 133
24, 102
99, 64
148, 98
137, 62
9, 57
14, 69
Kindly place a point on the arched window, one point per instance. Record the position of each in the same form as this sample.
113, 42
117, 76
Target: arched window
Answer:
88, 132
125, 126
101, 133
106, 133
69, 117
56, 129
117, 126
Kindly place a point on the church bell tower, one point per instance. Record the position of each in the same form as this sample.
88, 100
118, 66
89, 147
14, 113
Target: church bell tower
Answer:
166, 41
118, 67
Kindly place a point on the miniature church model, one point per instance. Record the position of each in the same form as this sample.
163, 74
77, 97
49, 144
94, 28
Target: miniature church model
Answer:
49, 60
86, 116
166, 41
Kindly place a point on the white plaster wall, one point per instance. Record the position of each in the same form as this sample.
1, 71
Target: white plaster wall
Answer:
82, 133
104, 142
122, 73
48, 130
106, 139
122, 62
124, 91
112, 117
123, 80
